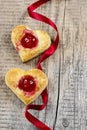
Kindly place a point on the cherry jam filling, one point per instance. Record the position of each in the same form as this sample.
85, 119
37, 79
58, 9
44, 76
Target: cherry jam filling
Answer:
29, 41
27, 83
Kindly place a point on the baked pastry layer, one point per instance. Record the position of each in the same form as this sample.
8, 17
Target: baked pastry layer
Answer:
14, 75
26, 54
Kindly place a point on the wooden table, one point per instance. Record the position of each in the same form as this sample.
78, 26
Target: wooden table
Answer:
66, 69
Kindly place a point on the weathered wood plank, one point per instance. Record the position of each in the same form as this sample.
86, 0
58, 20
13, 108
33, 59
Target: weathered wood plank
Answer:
72, 109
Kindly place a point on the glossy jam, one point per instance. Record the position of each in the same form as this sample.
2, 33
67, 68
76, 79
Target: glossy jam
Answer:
29, 41
27, 83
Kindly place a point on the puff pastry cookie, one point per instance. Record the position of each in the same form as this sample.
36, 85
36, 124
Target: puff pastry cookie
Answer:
27, 85
29, 43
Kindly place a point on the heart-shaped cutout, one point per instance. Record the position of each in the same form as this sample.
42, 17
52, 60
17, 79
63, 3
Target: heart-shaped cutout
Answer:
27, 85
29, 43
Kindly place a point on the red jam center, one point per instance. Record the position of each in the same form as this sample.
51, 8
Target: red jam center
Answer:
27, 83
29, 41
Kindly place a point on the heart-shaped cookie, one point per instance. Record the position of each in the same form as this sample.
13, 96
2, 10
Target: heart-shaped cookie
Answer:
29, 43
26, 85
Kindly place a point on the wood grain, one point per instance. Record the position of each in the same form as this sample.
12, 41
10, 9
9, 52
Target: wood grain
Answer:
66, 69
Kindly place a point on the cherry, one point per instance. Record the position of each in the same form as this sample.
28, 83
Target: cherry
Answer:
29, 41
27, 83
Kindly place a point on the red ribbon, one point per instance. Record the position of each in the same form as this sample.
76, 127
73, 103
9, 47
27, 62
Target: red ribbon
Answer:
44, 56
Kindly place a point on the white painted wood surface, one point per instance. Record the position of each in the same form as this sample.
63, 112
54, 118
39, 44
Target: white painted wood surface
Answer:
66, 69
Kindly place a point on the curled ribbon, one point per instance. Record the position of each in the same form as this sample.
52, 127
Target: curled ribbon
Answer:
44, 56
